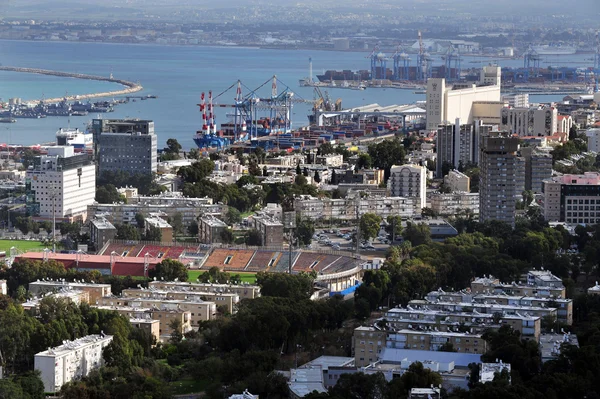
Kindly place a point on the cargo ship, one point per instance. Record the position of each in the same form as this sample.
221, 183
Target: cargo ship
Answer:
551, 49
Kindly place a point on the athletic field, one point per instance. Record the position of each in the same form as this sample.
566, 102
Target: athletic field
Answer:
246, 277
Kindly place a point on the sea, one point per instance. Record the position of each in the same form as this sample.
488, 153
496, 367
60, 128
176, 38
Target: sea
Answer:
177, 75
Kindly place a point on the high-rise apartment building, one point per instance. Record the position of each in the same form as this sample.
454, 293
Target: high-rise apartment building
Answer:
593, 139
502, 177
61, 184
127, 145
534, 121
409, 181
538, 167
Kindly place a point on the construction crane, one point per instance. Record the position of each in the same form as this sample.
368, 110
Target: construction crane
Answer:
423, 62
401, 64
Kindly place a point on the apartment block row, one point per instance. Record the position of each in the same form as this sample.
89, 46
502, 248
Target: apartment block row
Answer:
348, 208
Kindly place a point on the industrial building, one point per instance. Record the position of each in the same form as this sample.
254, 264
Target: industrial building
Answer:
125, 145
70, 361
61, 185
446, 104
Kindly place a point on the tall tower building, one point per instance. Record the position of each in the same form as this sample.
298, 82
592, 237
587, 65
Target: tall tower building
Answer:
502, 177
127, 145
61, 184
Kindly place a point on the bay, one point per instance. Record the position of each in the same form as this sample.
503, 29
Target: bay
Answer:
177, 75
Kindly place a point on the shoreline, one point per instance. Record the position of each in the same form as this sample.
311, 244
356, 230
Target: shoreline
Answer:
131, 87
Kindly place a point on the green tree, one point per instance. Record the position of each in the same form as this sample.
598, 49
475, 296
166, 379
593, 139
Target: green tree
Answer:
253, 238
193, 229
140, 220
194, 153
127, 232
417, 234
369, 225
394, 226
282, 285
177, 223
173, 146
233, 216
169, 270
298, 169
387, 153
108, 194
305, 229
227, 236
317, 177
326, 148
176, 331
153, 233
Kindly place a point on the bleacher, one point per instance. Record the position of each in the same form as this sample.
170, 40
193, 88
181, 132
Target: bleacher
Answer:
344, 263
174, 252
306, 261
325, 261
124, 250
229, 259
155, 251
263, 260
284, 262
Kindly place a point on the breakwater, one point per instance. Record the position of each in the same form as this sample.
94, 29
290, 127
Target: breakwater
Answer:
130, 87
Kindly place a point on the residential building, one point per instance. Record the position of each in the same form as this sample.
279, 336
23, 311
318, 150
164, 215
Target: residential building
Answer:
3, 287
488, 371
455, 203
165, 317
502, 178
94, 291
125, 145
564, 123
573, 198
595, 290
367, 344
227, 300
270, 229
200, 310
446, 104
538, 167
425, 393
189, 210
70, 361
74, 296
101, 232
533, 121
244, 291
61, 185
334, 160
457, 181
539, 286
517, 100
434, 340
210, 229
409, 181
593, 139
155, 222
345, 209
150, 326
456, 144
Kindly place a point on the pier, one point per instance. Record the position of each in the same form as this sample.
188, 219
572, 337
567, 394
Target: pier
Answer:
131, 87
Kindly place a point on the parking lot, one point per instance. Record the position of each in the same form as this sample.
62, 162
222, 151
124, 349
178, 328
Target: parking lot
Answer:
342, 240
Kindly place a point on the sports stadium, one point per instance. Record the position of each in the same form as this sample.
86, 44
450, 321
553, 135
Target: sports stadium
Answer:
338, 271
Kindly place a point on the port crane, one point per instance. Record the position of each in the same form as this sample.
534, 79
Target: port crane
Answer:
401, 64
423, 61
378, 63
452, 64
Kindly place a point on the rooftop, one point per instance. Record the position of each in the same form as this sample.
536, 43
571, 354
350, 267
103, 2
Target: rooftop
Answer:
69, 346
324, 362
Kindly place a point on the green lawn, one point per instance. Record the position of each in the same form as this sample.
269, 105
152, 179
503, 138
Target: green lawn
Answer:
21, 245
246, 277
188, 385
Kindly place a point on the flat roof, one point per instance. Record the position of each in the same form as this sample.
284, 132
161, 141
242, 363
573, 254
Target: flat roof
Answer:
304, 381
395, 355
70, 346
329, 361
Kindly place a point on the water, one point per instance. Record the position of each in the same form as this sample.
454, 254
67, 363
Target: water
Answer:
178, 74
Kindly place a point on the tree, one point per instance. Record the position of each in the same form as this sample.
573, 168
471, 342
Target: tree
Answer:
394, 226
177, 223
364, 161
305, 229
387, 153
226, 236
153, 233
108, 194
317, 177
233, 216
173, 146
333, 177
253, 238
298, 169
194, 154
176, 331
140, 220
169, 270
447, 347
305, 172
127, 232
300, 180
326, 148
193, 228
196, 172
369, 225
294, 286
254, 169
417, 234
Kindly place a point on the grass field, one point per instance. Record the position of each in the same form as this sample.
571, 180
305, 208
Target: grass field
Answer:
246, 277
21, 245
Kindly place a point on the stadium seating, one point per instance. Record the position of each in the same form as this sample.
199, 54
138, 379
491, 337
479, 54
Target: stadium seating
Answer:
262, 260
228, 259
283, 264
325, 261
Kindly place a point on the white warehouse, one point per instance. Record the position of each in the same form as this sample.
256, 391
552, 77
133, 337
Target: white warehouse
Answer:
70, 361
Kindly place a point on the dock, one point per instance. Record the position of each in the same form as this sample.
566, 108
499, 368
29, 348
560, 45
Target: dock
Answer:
131, 87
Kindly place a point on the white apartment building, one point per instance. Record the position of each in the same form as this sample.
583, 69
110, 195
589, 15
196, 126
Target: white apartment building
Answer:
593, 139
409, 181
518, 100
61, 184
346, 208
70, 361
534, 121
446, 104
455, 203
457, 181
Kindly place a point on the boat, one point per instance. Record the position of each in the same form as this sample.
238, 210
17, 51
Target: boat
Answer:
551, 49
7, 120
79, 113
420, 92
74, 137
